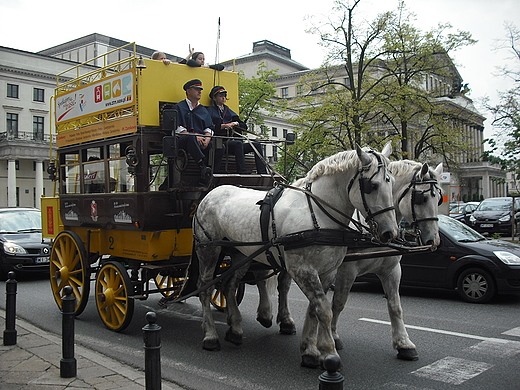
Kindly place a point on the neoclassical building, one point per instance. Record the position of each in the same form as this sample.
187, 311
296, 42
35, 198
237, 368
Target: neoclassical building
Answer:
27, 82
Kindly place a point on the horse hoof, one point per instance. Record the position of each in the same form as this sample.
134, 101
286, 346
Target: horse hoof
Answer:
234, 338
310, 361
338, 344
287, 328
211, 345
266, 323
407, 354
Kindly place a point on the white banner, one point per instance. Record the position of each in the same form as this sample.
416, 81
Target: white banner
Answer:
105, 95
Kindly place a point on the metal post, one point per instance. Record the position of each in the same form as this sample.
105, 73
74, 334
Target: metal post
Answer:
10, 309
68, 366
152, 352
332, 379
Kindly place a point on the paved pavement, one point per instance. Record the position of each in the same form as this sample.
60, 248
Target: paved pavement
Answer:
34, 364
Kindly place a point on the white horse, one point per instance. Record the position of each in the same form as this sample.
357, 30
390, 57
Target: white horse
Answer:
335, 187
416, 198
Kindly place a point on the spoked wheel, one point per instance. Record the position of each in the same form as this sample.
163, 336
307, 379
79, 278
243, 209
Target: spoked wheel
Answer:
114, 292
218, 300
69, 267
165, 282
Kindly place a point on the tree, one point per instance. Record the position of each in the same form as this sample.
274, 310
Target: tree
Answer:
258, 96
505, 150
370, 88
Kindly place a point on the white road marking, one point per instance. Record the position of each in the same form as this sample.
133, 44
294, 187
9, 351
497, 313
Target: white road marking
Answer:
513, 332
500, 350
446, 332
452, 370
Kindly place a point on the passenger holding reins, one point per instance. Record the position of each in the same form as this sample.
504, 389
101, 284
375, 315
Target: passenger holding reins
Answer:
227, 123
194, 118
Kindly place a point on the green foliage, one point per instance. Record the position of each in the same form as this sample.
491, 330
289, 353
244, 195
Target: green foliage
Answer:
258, 96
370, 88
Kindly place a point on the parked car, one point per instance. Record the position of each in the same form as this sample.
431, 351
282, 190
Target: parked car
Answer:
494, 215
21, 240
462, 211
478, 268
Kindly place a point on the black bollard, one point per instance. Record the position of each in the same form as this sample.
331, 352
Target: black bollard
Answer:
331, 379
152, 352
68, 366
10, 309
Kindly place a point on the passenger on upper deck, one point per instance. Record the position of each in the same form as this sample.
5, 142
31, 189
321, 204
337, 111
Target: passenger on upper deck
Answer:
227, 123
196, 59
193, 117
160, 56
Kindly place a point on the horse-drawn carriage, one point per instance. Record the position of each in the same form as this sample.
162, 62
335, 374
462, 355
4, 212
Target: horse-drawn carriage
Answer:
131, 215
125, 196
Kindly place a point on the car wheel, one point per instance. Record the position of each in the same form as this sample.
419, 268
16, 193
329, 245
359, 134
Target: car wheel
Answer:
476, 285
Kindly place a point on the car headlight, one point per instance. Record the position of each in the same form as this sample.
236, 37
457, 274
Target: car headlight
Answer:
13, 249
505, 218
507, 257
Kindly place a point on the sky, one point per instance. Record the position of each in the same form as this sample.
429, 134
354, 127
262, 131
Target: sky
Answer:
171, 26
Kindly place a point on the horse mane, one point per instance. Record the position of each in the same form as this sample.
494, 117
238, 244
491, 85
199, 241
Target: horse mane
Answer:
404, 167
338, 162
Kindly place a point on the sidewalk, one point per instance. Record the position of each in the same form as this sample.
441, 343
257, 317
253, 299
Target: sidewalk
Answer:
34, 364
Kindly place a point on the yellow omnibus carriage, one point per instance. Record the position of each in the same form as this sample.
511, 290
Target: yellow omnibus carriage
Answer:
124, 193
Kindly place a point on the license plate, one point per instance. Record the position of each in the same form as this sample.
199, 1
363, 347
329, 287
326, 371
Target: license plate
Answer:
486, 225
42, 260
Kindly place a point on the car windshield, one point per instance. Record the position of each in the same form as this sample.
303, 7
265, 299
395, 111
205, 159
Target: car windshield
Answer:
495, 205
457, 231
19, 221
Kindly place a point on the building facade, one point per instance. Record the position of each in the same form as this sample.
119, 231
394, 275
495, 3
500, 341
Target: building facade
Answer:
27, 82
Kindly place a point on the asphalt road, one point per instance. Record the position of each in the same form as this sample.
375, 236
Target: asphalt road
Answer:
460, 345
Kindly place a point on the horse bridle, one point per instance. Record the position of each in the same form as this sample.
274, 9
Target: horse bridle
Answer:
418, 198
366, 187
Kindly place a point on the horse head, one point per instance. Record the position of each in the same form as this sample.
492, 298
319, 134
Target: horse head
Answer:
418, 197
371, 193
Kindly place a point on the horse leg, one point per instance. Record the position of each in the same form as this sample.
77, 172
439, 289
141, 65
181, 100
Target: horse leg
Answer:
284, 318
315, 346
234, 319
264, 313
406, 350
345, 278
208, 258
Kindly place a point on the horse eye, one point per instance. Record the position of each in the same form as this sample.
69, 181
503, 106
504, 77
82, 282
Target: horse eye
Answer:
375, 186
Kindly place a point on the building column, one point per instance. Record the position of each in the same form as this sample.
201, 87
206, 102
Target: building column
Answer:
39, 182
11, 183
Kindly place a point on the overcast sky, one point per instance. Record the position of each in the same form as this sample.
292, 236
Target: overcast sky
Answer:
34, 25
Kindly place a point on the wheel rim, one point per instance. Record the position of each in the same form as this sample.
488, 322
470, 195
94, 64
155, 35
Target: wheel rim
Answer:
164, 282
113, 301
68, 267
475, 286
218, 300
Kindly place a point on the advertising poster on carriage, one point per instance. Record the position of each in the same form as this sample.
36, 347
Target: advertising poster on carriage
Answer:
106, 95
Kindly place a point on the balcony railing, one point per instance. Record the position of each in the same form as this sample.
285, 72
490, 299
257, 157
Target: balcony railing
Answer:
26, 136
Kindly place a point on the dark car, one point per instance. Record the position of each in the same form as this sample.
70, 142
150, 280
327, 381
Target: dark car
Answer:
494, 215
21, 240
477, 267
462, 211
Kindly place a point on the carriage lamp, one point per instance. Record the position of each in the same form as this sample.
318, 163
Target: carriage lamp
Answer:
131, 159
51, 170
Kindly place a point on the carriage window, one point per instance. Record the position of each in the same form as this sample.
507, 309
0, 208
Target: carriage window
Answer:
158, 171
70, 171
120, 179
94, 175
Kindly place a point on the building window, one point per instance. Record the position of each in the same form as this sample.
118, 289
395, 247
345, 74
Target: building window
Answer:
275, 132
38, 95
284, 131
285, 92
12, 125
275, 153
299, 90
12, 91
38, 128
